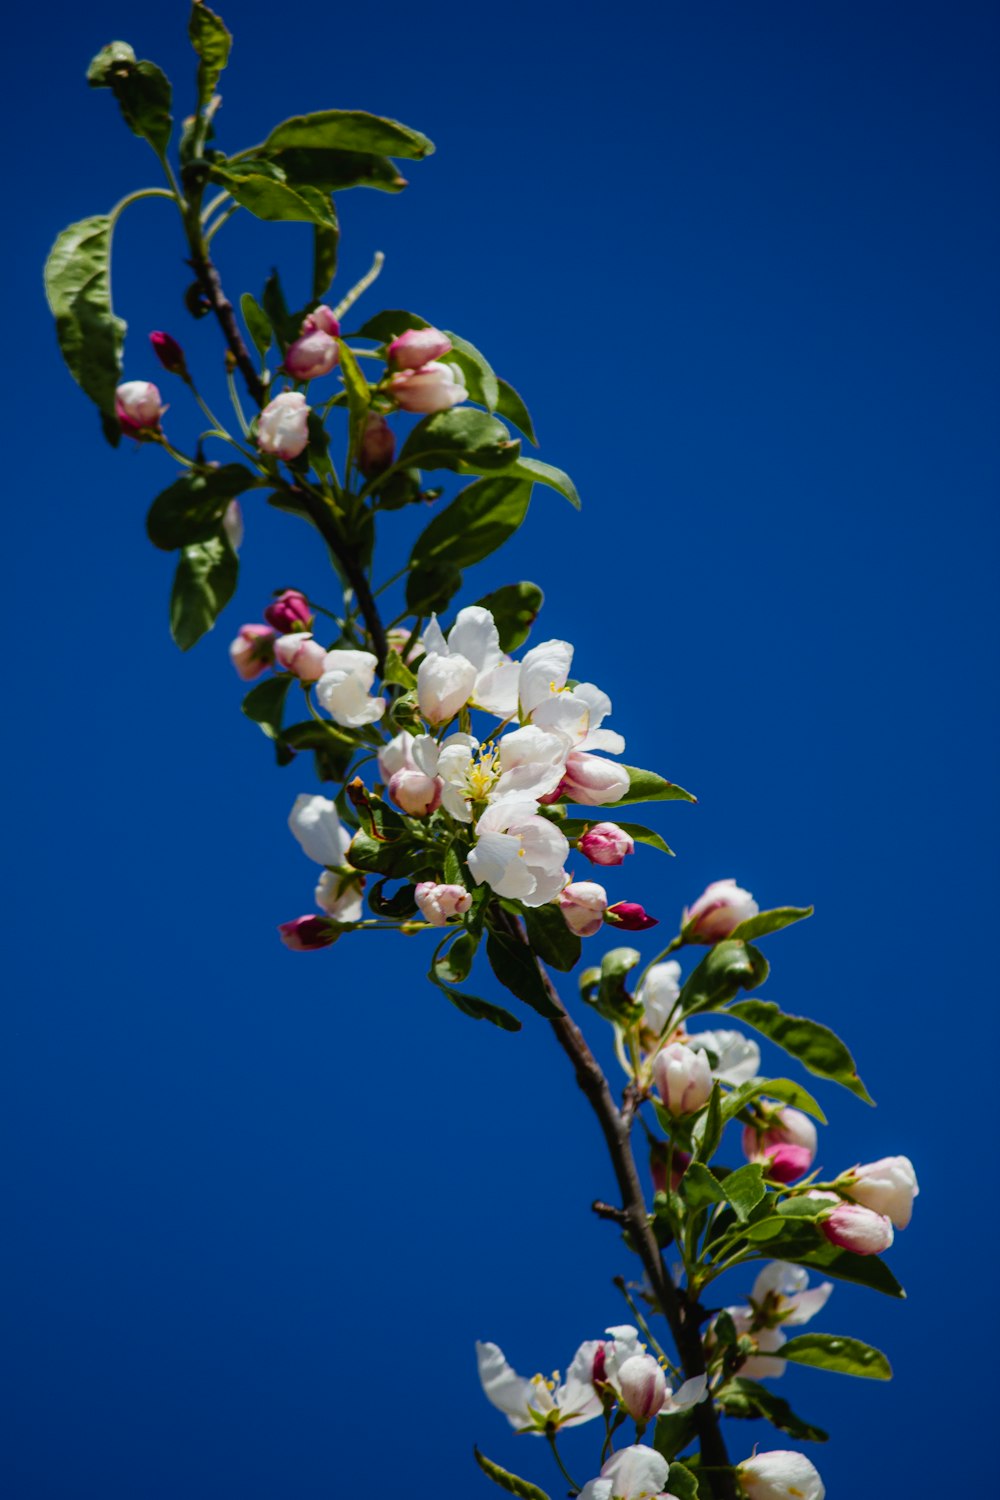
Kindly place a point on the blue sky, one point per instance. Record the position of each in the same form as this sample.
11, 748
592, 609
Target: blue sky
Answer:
740, 260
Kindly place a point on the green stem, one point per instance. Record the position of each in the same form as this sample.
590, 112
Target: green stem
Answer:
550, 1434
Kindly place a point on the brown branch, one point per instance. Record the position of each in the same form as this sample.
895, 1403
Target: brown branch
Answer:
204, 269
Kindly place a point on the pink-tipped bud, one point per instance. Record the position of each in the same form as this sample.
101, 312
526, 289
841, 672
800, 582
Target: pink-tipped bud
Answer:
592, 781
252, 652
169, 352
788, 1163
606, 844
321, 320
417, 347
630, 916
306, 934
788, 1142
660, 1156
432, 388
299, 654
887, 1186
599, 1369
718, 911
683, 1078
289, 611
283, 426
417, 794
378, 447
439, 903
583, 904
311, 356
860, 1230
138, 407
643, 1386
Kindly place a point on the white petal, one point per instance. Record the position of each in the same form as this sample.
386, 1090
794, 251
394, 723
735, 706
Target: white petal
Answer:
474, 635
567, 713
636, 1473
599, 703
496, 690
433, 639
443, 686
544, 671
806, 1305
425, 754
603, 739
492, 854
315, 823
360, 664
576, 1396
689, 1394
597, 1489
508, 1391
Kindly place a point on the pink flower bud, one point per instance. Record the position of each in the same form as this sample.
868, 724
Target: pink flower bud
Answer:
321, 320
606, 844
378, 446
169, 352
417, 347
719, 909
308, 933
643, 1386
630, 916
599, 1369
788, 1163
252, 651
299, 654
431, 388
788, 1141
290, 611
583, 904
592, 781
283, 426
311, 356
439, 903
417, 794
858, 1229
396, 755
138, 407
659, 1157
683, 1078
887, 1186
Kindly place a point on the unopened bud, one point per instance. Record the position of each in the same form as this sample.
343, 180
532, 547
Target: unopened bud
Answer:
299, 654
606, 844
138, 407
378, 447
718, 911
417, 347
306, 934
416, 793
643, 1387
439, 903
630, 916
321, 320
252, 652
311, 356
583, 904
290, 611
283, 426
683, 1078
432, 388
169, 352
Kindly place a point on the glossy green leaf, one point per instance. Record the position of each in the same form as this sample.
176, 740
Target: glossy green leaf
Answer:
191, 509
514, 965
258, 323
334, 171
864, 1270
817, 1047
725, 970
461, 439
832, 1351
265, 703
683, 1482
647, 786
480, 380
204, 583
745, 1189
398, 906
456, 961
782, 1089
547, 474
746, 1398
474, 525
284, 323
514, 609
551, 939
481, 1010
78, 287
509, 1482
699, 1187
212, 41
267, 198
142, 90
643, 835
348, 130
766, 922
397, 672
510, 406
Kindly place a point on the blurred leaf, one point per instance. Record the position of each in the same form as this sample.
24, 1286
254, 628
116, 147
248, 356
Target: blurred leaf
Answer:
191, 509
204, 583
386, 326
514, 609
374, 856
725, 970
510, 405
396, 671
474, 525
78, 287
708, 1128
398, 906
461, 439
509, 1482
864, 1270
358, 396
265, 703
211, 40
745, 1398
456, 962
347, 130
700, 1187
550, 938
647, 786
325, 245
817, 1047
480, 381
430, 590
142, 90
258, 323
683, 1483
830, 1351
766, 922
514, 965
782, 1089
285, 326
334, 171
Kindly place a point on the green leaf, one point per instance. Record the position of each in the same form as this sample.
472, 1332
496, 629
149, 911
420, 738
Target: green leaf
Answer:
864, 1270
745, 1189
396, 671
509, 1482
267, 198
204, 583
456, 962
348, 130
388, 325
700, 1187
142, 90
258, 323
480, 381
831, 1351
429, 590
643, 835
475, 524
514, 609
462, 439
782, 1089
683, 1483
708, 1129
514, 965
78, 287
265, 703
398, 906
725, 970
745, 1398
211, 40
550, 938
333, 171
325, 245
191, 509
766, 922
481, 1010
611, 998
817, 1047
510, 405
647, 786
539, 473
359, 396
272, 298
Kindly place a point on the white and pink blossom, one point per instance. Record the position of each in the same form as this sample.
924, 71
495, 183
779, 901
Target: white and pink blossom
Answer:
283, 426
434, 387
538, 1405
301, 655
519, 854
849, 1226
312, 355
252, 652
683, 1078
787, 1144
718, 911
138, 406
887, 1186
344, 689
440, 903
636, 1473
583, 904
417, 347
315, 822
781, 1475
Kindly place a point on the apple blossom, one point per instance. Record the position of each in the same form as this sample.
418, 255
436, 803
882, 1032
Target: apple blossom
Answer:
169, 352
719, 909
525, 762
465, 666
305, 934
630, 916
888, 1186
321, 320
519, 854
852, 1227
415, 792
340, 894
738, 1057
636, 1473
439, 903
301, 655
781, 1295
417, 347
618, 1352
252, 652
377, 448
683, 1078
643, 1387
538, 1405
658, 994
344, 689
434, 387
283, 426
788, 1142
396, 755
606, 844
316, 824
312, 355
290, 611
138, 407
583, 904
780, 1475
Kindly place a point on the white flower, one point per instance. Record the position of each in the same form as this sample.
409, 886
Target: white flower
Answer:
739, 1057
887, 1186
779, 1476
341, 896
344, 688
635, 1473
527, 763
532, 1405
659, 993
519, 854
781, 1295
317, 826
283, 425
618, 1358
396, 755
683, 1078
466, 667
